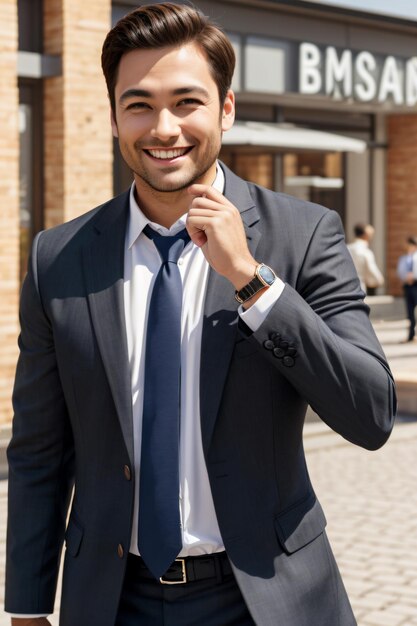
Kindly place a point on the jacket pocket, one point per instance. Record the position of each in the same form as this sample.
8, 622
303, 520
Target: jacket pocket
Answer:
301, 524
73, 535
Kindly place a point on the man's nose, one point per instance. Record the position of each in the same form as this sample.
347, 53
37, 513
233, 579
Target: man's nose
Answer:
166, 125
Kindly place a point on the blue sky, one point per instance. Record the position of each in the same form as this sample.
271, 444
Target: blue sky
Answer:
399, 8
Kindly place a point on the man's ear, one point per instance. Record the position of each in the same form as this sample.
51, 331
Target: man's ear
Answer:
113, 124
228, 113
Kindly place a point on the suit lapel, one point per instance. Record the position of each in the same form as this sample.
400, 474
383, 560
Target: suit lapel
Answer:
104, 273
221, 316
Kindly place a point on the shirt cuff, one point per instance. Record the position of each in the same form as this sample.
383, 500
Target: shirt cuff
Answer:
26, 615
257, 313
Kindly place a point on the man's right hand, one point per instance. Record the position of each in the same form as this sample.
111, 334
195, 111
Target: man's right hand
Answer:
30, 621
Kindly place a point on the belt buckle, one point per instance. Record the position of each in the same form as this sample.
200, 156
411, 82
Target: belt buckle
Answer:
183, 573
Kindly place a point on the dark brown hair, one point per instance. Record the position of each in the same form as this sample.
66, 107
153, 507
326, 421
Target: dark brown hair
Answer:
162, 25
359, 229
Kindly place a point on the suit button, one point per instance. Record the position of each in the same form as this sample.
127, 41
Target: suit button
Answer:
279, 352
269, 344
288, 361
127, 472
120, 550
274, 336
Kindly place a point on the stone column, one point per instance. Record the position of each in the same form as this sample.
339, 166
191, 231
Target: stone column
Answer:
401, 191
78, 141
9, 211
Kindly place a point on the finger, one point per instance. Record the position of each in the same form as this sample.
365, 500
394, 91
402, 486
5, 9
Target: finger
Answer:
208, 207
197, 234
207, 204
208, 192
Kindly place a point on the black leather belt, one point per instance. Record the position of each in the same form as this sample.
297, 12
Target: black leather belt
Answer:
186, 570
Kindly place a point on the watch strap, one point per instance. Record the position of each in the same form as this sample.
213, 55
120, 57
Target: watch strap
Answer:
248, 291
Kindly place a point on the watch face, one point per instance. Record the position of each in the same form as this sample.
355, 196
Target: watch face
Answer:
266, 274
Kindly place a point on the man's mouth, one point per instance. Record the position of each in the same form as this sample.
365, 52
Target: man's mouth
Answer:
168, 153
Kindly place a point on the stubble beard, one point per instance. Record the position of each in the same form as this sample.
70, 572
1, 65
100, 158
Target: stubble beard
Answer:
155, 182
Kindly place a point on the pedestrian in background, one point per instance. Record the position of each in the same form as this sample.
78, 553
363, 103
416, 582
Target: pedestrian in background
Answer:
369, 273
407, 273
182, 429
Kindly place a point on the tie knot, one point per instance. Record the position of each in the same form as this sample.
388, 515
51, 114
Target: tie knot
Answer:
169, 248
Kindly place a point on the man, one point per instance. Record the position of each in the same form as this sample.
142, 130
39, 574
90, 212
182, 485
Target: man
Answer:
407, 273
226, 487
364, 259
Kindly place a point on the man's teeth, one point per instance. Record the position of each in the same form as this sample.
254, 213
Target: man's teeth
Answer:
167, 154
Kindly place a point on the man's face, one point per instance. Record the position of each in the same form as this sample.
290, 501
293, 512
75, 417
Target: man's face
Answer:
168, 117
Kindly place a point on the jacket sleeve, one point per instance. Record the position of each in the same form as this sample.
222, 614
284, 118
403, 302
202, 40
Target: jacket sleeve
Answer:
318, 335
40, 457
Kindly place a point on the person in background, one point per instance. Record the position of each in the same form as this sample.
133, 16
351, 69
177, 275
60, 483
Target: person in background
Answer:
369, 274
171, 341
407, 273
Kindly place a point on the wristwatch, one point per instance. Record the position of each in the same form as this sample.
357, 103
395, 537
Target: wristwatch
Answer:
264, 277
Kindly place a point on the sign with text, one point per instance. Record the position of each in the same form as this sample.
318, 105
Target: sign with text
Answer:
361, 76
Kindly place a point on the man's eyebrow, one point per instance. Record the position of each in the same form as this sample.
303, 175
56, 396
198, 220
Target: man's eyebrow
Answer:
181, 91
144, 93
134, 93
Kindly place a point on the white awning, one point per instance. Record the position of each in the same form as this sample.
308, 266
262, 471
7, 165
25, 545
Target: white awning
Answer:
289, 137
319, 182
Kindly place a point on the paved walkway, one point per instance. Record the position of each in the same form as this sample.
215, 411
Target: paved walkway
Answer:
370, 501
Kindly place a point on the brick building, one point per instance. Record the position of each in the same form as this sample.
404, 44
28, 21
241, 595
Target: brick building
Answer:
326, 110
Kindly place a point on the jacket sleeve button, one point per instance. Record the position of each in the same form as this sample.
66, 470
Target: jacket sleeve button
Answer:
127, 472
120, 551
269, 344
288, 361
278, 352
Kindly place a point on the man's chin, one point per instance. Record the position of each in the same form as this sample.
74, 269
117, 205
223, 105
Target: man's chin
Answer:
168, 186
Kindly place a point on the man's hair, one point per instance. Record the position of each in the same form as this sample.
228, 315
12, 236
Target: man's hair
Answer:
163, 25
412, 241
359, 229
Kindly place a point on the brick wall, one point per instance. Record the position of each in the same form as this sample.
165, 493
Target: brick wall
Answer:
401, 191
9, 207
78, 142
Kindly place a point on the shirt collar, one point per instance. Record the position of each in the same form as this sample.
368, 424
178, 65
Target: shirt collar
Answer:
138, 220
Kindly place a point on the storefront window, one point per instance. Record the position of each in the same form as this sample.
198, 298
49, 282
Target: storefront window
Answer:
316, 177
253, 166
30, 18
25, 183
30, 166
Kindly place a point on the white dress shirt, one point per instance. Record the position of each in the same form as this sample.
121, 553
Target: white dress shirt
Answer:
201, 534
365, 264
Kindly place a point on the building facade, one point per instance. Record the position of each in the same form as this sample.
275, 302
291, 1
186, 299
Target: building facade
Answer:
326, 110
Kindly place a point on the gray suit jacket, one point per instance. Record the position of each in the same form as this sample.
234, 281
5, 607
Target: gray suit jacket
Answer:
73, 414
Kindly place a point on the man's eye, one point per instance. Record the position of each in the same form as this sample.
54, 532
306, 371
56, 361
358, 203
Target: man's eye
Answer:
137, 105
192, 101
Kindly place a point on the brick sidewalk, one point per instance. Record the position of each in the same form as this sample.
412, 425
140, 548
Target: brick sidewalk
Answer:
370, 500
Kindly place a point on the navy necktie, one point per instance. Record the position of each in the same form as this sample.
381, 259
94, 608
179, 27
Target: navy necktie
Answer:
159, 529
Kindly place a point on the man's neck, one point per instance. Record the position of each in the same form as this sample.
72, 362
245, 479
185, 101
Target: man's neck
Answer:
163, 207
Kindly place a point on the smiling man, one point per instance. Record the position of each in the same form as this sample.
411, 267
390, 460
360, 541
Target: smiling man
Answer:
171, 340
